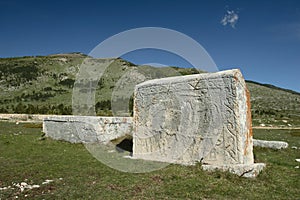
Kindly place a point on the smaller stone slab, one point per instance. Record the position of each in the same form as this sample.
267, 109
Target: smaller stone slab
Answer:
87, 129
270, 144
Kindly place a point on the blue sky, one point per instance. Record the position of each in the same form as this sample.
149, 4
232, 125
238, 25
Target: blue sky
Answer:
263, 39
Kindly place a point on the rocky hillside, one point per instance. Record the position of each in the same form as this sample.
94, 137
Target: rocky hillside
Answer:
44, 85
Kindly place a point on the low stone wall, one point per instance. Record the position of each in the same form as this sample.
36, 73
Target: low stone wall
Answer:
25, 117
85, 129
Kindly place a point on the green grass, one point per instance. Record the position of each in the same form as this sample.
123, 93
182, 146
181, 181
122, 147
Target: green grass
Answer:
25, 157
291, 136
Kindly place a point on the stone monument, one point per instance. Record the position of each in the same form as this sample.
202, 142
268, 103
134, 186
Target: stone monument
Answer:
203, 118
197, 118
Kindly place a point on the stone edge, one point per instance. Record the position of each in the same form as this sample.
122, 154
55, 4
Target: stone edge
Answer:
201, 76
247, 171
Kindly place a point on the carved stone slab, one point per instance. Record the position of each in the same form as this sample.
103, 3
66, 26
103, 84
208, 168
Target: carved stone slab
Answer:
197, 118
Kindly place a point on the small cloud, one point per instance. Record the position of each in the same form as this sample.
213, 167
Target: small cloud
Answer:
230, 18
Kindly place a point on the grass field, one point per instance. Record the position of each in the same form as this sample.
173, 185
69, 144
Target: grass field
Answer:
26, 157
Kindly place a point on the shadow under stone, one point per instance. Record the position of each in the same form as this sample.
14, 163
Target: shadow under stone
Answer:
125, 145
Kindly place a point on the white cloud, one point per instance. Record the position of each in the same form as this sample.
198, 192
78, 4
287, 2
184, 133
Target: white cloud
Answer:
230, 18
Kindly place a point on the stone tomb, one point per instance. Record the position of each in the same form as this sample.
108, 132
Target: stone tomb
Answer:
198, 118
202, 118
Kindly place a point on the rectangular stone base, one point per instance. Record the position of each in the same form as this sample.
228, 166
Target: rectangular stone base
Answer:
248, 171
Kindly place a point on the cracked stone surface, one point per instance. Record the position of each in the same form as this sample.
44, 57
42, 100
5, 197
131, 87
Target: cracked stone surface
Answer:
197, 118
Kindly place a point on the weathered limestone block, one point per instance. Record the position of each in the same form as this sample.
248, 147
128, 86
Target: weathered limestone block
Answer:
87, 129
197, 118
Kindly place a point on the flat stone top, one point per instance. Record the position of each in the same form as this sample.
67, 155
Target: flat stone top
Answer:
87, 118
176, 79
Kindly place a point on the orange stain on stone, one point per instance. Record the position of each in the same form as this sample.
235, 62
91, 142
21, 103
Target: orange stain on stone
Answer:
236, 78
249, 122
249, 118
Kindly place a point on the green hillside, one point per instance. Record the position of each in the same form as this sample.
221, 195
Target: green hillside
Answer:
44, 85
273, 105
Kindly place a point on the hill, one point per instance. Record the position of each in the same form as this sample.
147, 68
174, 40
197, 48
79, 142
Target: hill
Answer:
44, 85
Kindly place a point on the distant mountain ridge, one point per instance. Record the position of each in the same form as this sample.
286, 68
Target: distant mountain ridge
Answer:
44, 85
274, 87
